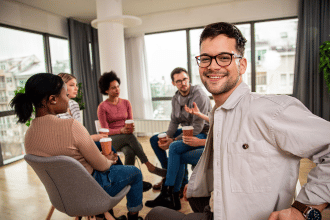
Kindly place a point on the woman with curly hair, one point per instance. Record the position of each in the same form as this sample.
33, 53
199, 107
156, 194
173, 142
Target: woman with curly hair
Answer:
112, 114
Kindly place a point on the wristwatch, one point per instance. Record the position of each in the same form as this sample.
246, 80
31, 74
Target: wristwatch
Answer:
308, 212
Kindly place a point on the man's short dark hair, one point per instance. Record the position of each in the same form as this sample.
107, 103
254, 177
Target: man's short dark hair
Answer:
177, 70
227, 29
105, 80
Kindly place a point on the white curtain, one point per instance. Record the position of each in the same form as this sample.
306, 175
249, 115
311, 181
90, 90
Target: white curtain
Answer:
139, 93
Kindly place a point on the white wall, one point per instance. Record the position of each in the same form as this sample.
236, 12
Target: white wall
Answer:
23, 16
236, 11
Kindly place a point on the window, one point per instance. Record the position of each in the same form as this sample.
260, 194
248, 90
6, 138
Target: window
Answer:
59, 53
275, 54
274, 50
165, 51
22, 55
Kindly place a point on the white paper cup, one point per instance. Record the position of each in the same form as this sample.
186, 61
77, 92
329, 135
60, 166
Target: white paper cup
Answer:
104, 131
106, 145
188, 130
162, 138
129, 124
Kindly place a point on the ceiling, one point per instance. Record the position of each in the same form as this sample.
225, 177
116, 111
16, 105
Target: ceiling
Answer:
85, 10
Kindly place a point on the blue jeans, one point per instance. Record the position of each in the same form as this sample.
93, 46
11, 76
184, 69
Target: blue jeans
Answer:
179, 155
161, 154
117, 178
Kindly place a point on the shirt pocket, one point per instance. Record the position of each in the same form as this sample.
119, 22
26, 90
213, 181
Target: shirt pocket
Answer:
249, 167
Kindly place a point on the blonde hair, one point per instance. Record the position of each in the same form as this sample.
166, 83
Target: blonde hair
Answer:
66, 77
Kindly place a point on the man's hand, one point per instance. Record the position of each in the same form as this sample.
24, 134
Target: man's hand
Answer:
193, 141
194, 110
166, 145
185, 192
98, 137
287, 214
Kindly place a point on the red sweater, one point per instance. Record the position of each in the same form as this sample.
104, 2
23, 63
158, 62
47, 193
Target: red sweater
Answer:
113, 116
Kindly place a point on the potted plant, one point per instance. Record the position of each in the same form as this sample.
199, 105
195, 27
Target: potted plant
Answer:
22, 90
325, 62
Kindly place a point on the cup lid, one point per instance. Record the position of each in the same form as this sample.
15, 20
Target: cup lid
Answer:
162, 135
187, 128
105, 139
129, 121
103, 130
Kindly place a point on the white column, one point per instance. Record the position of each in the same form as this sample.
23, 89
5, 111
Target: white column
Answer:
110, 24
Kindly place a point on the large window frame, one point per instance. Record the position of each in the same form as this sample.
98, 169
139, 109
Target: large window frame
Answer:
253, 50
48, 65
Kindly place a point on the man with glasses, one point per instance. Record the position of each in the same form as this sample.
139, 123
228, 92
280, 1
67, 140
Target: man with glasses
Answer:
251, 159
187, 94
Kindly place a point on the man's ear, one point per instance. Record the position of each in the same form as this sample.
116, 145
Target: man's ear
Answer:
243, 65
173, 83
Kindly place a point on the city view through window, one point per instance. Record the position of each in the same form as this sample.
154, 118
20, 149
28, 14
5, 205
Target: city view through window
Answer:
22, 55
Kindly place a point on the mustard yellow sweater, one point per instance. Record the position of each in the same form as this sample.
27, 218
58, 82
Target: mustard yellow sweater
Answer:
52, 136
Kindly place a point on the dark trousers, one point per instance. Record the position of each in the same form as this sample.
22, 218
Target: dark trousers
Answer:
200, 206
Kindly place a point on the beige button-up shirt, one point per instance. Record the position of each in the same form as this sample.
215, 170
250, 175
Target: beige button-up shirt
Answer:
251, 159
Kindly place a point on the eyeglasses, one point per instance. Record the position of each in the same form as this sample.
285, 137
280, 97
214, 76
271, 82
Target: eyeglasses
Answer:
222, 59
179, 82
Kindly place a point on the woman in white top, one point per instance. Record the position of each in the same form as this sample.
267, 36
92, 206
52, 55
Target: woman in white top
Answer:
74, 110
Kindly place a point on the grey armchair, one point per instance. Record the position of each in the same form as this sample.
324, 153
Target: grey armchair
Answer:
71, 189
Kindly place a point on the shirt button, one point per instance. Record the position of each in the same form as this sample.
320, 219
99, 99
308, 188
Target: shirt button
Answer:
245, 146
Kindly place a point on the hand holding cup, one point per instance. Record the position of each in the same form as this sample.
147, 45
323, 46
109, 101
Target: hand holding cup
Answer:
129, 124
106, 145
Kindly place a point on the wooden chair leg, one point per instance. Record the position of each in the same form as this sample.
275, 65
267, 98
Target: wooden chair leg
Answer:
50, 213
108, 216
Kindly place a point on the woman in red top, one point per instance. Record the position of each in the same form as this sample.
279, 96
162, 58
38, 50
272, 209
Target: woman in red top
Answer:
112, 114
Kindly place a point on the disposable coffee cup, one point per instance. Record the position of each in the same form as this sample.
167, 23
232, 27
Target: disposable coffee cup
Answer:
106, 145
188, 130
162, 138
129, 124
104, 131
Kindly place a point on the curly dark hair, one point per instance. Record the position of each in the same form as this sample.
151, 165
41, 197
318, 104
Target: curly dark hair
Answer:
105, 80
230, 30
177, 70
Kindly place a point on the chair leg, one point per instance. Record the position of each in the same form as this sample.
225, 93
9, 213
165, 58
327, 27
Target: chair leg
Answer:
50, 213
108, 216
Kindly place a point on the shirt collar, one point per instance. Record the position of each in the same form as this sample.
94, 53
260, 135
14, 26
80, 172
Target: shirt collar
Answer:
236, 96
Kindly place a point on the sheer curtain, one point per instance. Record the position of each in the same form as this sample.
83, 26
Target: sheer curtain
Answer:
82, 37
313, 30
139, 92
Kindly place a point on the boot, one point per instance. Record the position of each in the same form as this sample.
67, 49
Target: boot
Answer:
134, 217
165, 198
176, 199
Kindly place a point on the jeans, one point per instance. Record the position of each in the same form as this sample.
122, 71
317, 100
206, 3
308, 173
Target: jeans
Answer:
117, 178
181, 154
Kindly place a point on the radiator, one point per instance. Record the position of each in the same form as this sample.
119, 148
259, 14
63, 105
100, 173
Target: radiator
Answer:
145, 127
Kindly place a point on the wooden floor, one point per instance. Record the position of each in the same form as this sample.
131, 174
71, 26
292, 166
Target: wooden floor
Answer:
24, 197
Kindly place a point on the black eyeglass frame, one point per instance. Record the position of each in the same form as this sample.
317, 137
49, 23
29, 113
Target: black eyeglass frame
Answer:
214, 57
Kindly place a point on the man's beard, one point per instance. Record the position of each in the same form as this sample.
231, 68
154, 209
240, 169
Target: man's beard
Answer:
227, 86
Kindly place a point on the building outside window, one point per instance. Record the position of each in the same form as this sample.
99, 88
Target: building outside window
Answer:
22, 55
